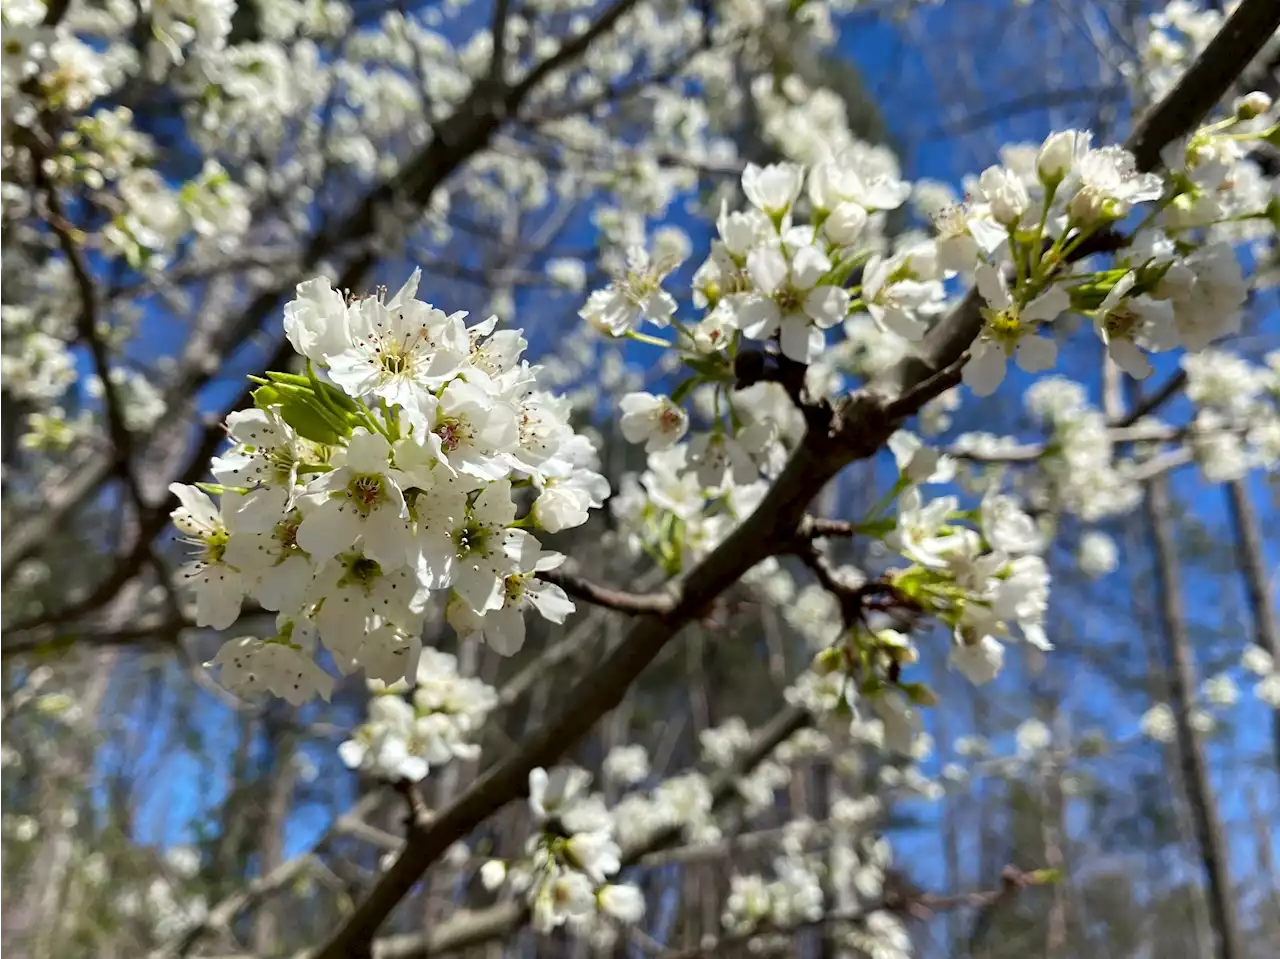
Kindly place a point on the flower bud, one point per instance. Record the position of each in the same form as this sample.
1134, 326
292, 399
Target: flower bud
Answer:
625, 903
830, 660
1058, 155
1252, 105
845, 224
1006, 195
773, 188
493, 873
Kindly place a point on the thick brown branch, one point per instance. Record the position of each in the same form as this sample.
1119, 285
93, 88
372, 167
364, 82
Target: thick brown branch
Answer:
1207, 80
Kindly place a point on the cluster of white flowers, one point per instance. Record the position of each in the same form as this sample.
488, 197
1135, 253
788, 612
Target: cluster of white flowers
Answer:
1237, 423
416, 455
794, 896
981, 582
343, 507
1037, 215
694, 493
1160, 722
987, 584
808, 256
765, 908
721, 746
404, 738
566, 873
1079, 473
1260, 663
35, 363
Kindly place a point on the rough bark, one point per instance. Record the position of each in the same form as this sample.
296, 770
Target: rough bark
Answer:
268, 923
1253, 566
1182, 685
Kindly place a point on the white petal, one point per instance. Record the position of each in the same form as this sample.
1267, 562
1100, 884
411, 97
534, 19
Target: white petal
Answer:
504, 630
768, 269
1047, 306
1036, 353
988, 234
351, 753
992, 287
551, 602
985, 370
329, 529
368, 452
759, 318
477, 584
827, 305
808, 265
901, 322
801, 341
406, 292
1129, 358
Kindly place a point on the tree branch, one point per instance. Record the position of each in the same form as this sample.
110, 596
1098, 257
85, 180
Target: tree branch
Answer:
1151, 403
584, 589
221, 916
87, 326
569, 52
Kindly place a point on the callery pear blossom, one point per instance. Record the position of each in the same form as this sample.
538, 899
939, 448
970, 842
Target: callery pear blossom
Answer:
652, 420
219, 587
1125, 323
398, 350
774, 188
1010, 329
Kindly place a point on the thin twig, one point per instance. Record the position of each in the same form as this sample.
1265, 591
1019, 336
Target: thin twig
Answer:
608, 597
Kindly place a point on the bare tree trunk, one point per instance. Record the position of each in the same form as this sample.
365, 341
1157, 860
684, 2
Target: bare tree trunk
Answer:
1159, 691
1253, 566
1182, 684
1266, 864
264, 937
1053, 837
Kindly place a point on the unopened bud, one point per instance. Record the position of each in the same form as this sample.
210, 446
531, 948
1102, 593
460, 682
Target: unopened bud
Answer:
1252, 105
830, 660
493, 874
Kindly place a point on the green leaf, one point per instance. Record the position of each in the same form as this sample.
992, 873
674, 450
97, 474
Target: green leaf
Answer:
304, 412
683, 389
1044, 877
710, 368
288, 379
265, 397
919, 693
330, 394
839, 274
